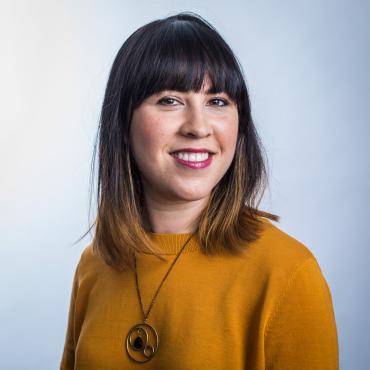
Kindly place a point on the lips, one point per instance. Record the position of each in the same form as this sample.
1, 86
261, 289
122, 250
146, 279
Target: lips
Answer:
187, 162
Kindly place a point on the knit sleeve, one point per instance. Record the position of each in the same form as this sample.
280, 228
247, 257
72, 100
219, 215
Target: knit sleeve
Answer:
68, 357
301, 333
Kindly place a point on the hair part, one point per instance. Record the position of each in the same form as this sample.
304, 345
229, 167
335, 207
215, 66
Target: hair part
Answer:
175, 53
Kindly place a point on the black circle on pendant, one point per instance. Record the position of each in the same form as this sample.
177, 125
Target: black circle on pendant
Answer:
138, 343
142, 342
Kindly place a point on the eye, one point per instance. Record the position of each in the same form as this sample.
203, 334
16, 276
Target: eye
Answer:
220, 102
167, 101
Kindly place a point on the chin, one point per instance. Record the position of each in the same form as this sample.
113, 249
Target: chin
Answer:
191, 196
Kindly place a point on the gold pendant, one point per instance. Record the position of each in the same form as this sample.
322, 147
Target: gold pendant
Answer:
142, 342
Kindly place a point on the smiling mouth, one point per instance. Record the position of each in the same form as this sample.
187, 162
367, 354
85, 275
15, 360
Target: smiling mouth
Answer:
193, 160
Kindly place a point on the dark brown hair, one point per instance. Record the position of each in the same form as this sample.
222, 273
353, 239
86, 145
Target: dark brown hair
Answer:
174, 53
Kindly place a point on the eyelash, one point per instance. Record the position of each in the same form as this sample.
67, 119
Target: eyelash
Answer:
225, 102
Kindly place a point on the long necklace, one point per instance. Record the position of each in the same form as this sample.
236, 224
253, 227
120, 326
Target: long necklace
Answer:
142, 340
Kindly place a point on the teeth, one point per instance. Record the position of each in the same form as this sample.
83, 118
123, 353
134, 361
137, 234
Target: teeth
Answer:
192, 157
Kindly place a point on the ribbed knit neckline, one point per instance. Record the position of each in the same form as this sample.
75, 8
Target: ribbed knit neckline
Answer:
172, 243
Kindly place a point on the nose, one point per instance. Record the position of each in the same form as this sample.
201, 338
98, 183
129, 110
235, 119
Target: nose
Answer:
196, 123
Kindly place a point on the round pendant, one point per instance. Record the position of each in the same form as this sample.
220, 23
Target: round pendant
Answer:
142, 342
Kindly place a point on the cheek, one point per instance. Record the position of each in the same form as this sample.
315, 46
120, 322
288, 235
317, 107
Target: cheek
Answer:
229, 135
147, 137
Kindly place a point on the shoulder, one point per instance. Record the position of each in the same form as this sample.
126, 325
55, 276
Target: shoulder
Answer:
280, 255
287, 267
281, 244
87, 254
90, 264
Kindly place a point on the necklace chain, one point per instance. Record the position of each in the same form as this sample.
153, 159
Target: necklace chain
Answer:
145, 315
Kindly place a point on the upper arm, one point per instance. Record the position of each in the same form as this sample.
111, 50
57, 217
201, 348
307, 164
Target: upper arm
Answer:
67, 361
301, 332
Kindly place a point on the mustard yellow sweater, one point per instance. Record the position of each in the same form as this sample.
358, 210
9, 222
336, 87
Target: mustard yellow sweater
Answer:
268, 309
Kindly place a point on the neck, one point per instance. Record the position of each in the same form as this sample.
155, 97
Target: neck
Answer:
173, 217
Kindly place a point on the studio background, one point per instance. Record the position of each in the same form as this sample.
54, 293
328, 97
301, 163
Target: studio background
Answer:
307, 68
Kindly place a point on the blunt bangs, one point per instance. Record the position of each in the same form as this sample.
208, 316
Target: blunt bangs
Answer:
179, 56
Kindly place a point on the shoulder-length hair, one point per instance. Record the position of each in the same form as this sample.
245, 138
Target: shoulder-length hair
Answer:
174, 53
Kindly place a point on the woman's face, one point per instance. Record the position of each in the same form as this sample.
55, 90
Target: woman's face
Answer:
183, 143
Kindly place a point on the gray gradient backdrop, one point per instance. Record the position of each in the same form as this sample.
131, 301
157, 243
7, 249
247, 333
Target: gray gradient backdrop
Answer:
307, 68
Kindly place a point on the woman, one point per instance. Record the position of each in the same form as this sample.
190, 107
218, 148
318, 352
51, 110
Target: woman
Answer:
184, 272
